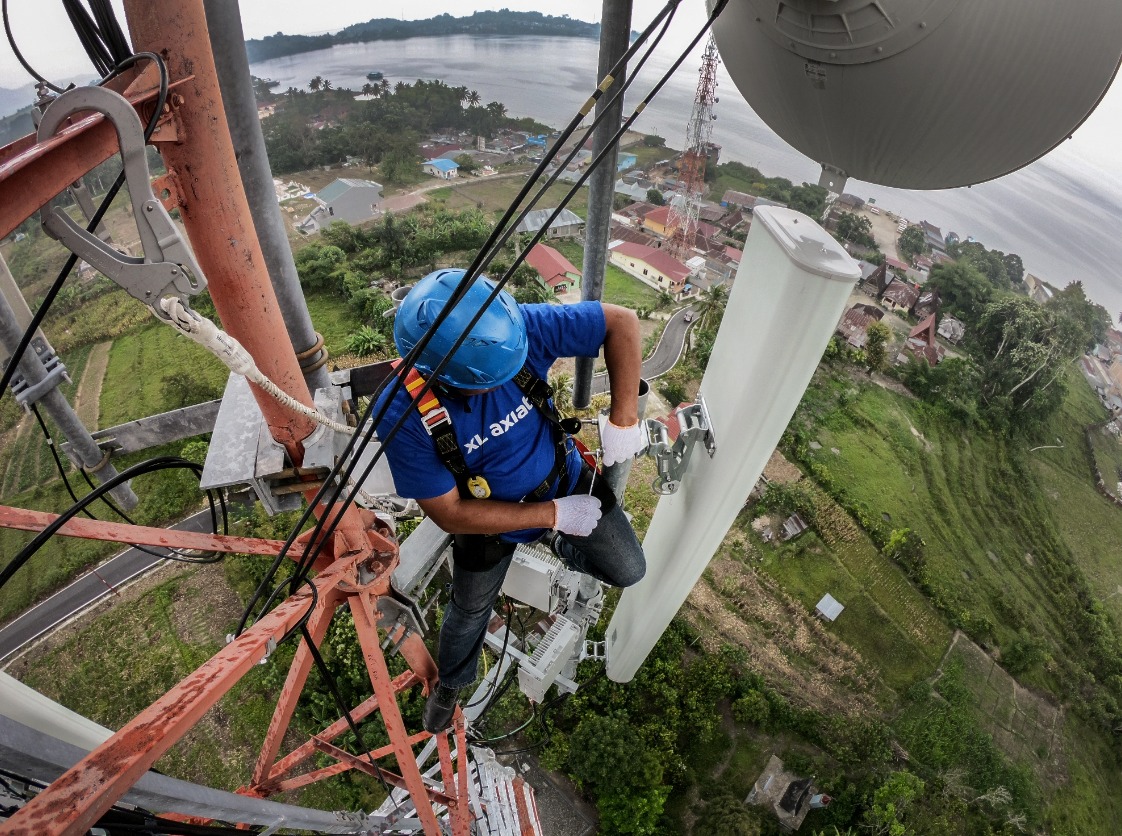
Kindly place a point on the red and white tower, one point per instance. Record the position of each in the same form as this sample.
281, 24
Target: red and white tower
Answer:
699, 149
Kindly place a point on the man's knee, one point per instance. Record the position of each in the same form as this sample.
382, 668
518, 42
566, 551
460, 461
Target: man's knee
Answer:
631, 574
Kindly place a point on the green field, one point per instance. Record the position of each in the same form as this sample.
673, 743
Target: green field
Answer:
27, 461
334, 319
619, 288
140, 365
495, 195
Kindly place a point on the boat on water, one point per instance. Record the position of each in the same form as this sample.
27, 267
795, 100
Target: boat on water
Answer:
375, 75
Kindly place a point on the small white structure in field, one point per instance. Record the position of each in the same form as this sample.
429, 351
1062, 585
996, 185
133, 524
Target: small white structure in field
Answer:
828, 608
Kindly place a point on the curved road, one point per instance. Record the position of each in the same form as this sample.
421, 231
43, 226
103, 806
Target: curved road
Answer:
103, 581
664, 357
91, 587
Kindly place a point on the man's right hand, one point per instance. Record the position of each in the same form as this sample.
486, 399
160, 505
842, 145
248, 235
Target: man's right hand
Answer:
576, 515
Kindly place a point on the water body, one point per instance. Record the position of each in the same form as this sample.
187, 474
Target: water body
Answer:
1062, 214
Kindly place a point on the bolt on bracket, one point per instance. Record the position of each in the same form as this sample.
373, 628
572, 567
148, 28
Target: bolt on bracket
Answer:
672, 459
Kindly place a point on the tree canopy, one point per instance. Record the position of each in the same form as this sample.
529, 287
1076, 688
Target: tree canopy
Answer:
912, 243
963, 291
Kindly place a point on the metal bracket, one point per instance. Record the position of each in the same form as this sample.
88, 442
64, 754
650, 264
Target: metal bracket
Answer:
672, 460
393, 612
168, 267
596, 651
53, 368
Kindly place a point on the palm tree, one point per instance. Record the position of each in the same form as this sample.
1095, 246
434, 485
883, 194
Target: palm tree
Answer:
710, 307
385, 85
496, 109
368, 89
326, 85
315, 84
473, 99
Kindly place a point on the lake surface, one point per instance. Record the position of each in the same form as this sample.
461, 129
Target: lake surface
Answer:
1063, 214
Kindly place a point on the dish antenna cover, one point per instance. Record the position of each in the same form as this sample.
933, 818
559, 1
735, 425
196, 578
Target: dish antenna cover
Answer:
921, 94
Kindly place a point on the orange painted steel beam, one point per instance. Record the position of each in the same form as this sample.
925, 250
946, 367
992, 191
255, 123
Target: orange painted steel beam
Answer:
215, 211
74, 802
23, 519
318, 744
363, 765
301, 753
31, 174
363, 607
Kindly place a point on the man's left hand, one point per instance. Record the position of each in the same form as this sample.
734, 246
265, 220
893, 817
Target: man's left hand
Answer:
619, 444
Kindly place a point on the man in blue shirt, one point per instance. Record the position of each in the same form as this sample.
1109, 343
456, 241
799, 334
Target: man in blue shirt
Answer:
520, 476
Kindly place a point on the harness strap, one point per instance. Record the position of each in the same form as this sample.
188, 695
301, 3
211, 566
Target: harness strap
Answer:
438, 424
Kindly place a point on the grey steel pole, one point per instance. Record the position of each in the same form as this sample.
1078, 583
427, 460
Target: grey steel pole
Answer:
90, 456
615, 33
228, 43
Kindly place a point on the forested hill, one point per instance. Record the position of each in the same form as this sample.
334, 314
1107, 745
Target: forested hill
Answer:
504, 22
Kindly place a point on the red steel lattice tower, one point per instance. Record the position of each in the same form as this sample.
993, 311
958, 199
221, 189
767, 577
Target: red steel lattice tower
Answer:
685, 203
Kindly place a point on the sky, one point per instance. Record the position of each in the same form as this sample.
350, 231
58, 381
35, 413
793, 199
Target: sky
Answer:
47, 41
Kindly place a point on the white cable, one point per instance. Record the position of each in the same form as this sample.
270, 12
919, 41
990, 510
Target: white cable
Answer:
233, 354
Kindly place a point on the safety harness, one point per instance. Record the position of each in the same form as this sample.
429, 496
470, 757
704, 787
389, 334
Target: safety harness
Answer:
438, 424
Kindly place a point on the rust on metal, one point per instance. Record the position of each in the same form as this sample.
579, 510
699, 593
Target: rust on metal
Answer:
142, 535
361, 607
45, 169
75, 801
318, 622
216, 213
363, 765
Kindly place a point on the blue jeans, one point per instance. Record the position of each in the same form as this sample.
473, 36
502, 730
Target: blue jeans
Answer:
611, 553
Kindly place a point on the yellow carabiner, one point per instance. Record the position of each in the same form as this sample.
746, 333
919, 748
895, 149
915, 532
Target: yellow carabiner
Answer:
478, 487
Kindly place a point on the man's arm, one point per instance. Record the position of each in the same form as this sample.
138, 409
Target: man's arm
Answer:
486, 516
623, 355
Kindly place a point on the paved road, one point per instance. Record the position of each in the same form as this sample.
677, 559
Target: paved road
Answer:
89, 588
663, 358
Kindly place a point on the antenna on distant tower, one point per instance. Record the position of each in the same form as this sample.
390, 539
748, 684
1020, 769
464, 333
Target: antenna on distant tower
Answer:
685, 203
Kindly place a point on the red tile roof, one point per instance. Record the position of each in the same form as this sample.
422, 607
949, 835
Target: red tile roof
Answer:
550, 264
661, 261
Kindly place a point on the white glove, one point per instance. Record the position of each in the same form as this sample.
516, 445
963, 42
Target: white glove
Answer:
619, 444
576, 515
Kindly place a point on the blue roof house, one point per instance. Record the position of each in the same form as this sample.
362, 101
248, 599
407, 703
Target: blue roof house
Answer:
445, 169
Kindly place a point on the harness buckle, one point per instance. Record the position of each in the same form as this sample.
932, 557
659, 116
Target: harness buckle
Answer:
434, 418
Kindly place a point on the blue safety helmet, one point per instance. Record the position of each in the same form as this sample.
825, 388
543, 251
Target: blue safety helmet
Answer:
495, 348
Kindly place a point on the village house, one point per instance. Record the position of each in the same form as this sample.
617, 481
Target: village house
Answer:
922, 345
653, 267
855, 323
933, 236
555, 270
567, 224
900, 296
1114, 341
633, 215
442, 168
658, 221
896, 264
927, 304
952, 330
635, 190
346, 199
874, 279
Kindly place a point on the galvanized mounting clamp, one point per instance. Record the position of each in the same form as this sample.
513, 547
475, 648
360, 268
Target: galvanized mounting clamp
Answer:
168, 267
671, 460
54, 374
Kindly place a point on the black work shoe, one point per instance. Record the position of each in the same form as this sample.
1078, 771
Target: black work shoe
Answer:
439, 708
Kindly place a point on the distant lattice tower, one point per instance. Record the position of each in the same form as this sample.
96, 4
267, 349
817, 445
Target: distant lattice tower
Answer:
685, 204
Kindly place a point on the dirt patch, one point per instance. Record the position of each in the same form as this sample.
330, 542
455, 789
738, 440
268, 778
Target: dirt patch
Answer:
10, 480
87, 399
735, 604
778, 469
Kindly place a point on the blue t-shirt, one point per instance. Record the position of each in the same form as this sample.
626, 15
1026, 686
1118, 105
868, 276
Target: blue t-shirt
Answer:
503, 437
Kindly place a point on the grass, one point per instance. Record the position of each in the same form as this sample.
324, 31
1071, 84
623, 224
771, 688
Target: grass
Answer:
139, 364
886, 620
28, 462
163, 496
334, 319
121, 661
494, 195
619, 288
